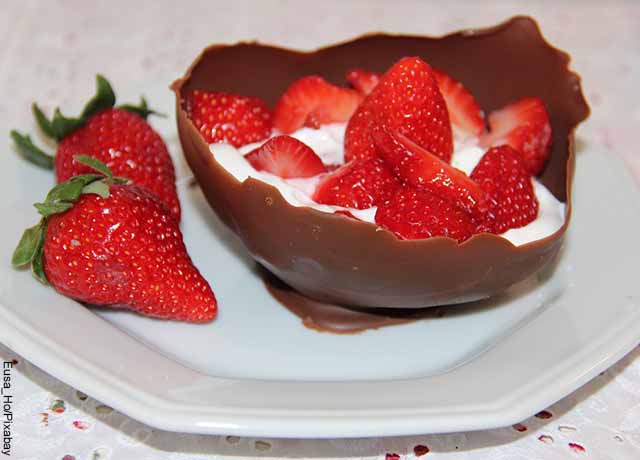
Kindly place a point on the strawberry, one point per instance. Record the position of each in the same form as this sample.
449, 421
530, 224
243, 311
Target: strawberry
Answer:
503, 175
406, 100
419, 168
363, 81
223, 117
414, 213
525, 126
287, 157
312, 101
119, 137
464, 111
360, 184
103, 241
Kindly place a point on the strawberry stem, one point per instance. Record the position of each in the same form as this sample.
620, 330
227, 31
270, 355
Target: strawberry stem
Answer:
27, 149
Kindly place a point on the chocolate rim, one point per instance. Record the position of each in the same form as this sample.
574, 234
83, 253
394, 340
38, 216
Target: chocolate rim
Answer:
562, 95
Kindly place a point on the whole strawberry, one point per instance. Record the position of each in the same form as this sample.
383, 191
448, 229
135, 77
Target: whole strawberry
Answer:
119, 137
105, 242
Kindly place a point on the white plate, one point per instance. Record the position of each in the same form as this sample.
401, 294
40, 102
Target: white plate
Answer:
257, 371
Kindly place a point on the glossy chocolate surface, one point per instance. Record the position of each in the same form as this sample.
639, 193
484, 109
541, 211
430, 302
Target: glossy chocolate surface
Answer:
334, 259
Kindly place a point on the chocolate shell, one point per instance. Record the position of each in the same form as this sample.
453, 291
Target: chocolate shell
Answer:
332, 258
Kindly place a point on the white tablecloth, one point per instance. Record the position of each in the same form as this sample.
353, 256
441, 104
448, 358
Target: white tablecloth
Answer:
50, 50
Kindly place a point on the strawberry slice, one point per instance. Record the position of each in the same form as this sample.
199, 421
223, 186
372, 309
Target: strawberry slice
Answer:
408, 101
286, 157
360, 184
419, 168
223, 117
312, 101
503, 175
413, 213
363, 81
525, 126
464, 111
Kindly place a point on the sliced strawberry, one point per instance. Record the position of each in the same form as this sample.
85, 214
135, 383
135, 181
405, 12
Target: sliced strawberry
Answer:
525, 126
312, 101
363, 81
408, 101
503, 175
223, 117
286, 157
419, 168
413, 213
360, 184
464, 111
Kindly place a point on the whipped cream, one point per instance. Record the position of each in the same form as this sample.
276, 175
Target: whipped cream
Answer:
328, 143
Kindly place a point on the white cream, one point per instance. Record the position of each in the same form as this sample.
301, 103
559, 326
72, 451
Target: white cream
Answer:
328, 142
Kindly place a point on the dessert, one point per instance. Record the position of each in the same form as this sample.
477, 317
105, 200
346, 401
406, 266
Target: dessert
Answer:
345, 257
118, 136
104, 241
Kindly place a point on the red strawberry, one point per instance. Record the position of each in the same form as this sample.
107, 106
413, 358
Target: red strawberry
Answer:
503, 175
464, 112
104, 242
360, 184
119, 137
406, 100
287, 157
129, 146
223, 117
419, 168
525, 126
312, 101
414, 213
363, 81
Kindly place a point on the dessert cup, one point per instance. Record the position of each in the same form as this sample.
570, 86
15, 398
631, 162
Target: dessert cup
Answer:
333, 258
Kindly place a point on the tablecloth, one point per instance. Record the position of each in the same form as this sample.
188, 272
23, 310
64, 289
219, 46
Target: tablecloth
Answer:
49, 51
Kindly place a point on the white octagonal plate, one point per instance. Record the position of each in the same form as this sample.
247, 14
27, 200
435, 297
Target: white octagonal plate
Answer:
257, 371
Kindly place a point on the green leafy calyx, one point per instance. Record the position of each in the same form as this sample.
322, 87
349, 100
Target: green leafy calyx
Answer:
60, 199
142, 109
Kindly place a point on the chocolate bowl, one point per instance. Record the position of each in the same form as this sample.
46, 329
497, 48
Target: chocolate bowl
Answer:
332, 258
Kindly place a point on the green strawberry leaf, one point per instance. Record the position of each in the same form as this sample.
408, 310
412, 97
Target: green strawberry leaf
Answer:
43, 122
97, 187
49, 209
63, 126
70, 190
27, 247
94, 164
142, 109
30, 151
104, 98
37, 264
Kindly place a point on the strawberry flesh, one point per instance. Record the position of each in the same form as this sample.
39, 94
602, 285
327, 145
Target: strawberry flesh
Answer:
360, 184
230, 118
419, 168
464, 111
407, 101
312, 101
503, 175
415, 213
287, 157
126, 251
364, 82
525, 126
